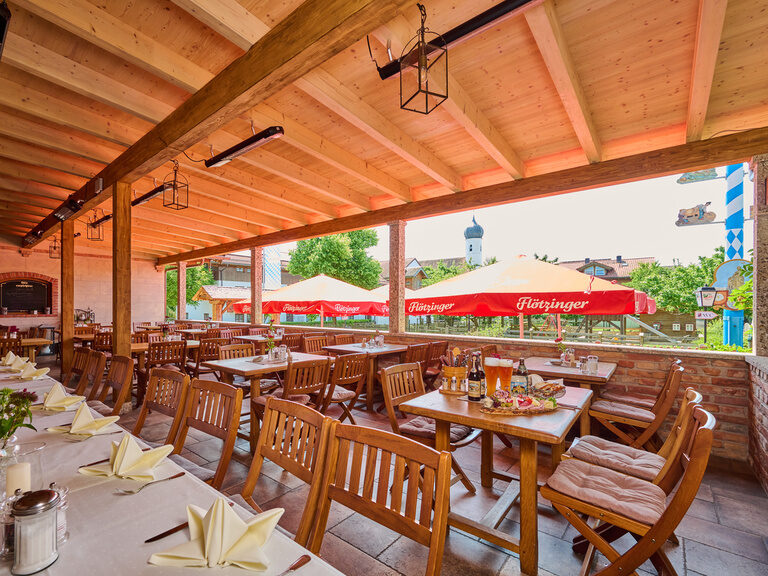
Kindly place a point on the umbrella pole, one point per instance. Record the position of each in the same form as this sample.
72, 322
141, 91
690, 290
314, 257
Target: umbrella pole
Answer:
559, 327
522, 329
321, 317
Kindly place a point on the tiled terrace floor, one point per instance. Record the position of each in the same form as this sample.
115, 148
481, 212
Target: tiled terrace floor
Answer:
724, 533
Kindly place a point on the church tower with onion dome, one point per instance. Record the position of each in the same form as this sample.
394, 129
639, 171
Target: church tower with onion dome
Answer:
473, 236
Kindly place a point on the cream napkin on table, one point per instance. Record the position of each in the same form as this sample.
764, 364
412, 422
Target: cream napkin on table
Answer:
29, 372
8, 358
85, 424
57, 400
128, 461
219, 537
19, 363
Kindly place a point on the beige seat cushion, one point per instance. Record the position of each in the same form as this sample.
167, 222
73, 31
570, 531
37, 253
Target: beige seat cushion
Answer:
626, 495
640, 400
100, 407
423, 427
300, 398
622, 410
625, 459
341, 394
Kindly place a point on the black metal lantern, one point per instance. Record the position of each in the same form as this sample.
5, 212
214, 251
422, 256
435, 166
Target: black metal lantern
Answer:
423, 70
176, 189
94, 230
54, 250
705, 296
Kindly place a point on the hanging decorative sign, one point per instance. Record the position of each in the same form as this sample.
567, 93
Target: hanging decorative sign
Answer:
729, 276
699, 214
705, 315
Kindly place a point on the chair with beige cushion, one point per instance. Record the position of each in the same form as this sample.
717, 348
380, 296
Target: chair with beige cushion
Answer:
314, 344
90, 380
634, 425
75, 373
647, 401
434, 362
166, 394
580, 491
118, 384
207, 351
403, 382
169, 355
348, 379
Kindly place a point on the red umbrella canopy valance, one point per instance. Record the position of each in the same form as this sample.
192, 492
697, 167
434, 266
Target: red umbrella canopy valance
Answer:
523, 286
319, 295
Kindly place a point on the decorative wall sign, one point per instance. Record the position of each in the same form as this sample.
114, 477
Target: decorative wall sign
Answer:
25, 295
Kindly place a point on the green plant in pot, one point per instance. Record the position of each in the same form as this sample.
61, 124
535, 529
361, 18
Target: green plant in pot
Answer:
15, 413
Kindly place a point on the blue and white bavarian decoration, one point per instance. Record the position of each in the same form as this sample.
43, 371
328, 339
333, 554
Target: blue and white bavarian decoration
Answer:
733, 320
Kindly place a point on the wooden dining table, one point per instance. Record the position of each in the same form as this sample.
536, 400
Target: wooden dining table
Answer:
548, 428
252, 370
574, 377
373, 361
259, 341
32, 344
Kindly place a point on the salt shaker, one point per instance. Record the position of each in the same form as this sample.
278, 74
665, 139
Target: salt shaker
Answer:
35, 527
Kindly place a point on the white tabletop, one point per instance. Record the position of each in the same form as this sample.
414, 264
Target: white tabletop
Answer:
107, 531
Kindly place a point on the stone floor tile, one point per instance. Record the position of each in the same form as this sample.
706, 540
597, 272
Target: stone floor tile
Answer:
351, 561
210, 448
747, 513
512, 568
236, 473
723, 538
364, 534
266, 489
733, 485
711, 561
272, 470
704, 510
194, 458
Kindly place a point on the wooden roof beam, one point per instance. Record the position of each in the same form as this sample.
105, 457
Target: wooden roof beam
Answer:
194, 236
40, 174
28, 186
459, 105
332, 94
23, 152
663, 162
546, 30
709, 28
314, 32
229, 18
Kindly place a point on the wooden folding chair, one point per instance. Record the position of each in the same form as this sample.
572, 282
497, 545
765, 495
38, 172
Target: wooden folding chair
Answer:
229, 351
75, 373
403, 382
314, 344
208, 350
102, 341
292, 341
166, 394
214, 408
212, 333
118, 383
154, 337
642, 400
161, 355
341, 339
434, 362
637, 426
350, 476
92, 375
348, 378
295, 438
418, 353
139, 337
578, 489
258, 331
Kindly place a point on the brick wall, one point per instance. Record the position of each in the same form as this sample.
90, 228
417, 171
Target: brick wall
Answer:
758, 418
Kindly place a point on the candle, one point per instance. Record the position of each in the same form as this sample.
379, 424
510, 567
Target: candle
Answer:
18, 476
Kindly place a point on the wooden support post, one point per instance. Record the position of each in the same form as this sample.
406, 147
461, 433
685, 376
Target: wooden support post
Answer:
397, 276
216, 310
257, 283
121, 269
760, 274
67, 294
181, 291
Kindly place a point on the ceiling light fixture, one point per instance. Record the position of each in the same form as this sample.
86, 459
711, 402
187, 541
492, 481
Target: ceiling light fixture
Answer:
254, 141
175, 189
68, 208
54, 250
143, 199
423, 70
5, 19
95, 229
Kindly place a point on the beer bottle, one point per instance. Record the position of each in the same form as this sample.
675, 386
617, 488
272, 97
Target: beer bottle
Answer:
482, 375
473, 379
519, 383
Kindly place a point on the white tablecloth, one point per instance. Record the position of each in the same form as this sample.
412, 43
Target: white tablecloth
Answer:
107, 531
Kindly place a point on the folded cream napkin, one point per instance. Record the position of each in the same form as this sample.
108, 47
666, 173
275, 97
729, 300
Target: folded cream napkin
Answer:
57, 400
8, 359
128, 461
29, 372
218, 537
20, 363
85, 424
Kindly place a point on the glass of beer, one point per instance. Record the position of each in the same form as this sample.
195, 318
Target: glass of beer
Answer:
491, 375
506, 367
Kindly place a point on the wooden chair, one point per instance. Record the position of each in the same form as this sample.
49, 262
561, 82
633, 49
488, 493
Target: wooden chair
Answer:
118, 383
227, 335
637, 426
293, 341
102, 341
80, 360
579, 491
641, 400
83, 330
166, 394
418, 353
11, 345
344, 339
348, 379
257, 331
434, 362
352, 469
161, 355
212, 333
154, 337
303, 382
295, 438
213, 408
314, 344
229, 351
403, 382
140, 337
208, 350
92, 375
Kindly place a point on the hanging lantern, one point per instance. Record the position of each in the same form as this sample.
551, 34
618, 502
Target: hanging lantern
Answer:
94, 230
175, 189
54, 250
705, 296
423, 70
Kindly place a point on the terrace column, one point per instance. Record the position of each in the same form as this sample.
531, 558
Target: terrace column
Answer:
257, 281
67, 294
397, 276
121, 269
181, 291
760, 278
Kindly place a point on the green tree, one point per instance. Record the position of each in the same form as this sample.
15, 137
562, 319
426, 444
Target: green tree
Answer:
341, 256
196, 277
674, 287
442, 271
545, 258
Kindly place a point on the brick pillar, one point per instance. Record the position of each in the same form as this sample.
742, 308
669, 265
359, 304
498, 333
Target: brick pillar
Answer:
181, 291
760, 280
397, 276
257, 281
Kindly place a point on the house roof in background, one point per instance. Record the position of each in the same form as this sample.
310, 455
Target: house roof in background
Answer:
215, 292
614, 268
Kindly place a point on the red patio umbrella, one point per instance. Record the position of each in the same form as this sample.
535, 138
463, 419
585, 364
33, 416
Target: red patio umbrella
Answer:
523, 286
319, 295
